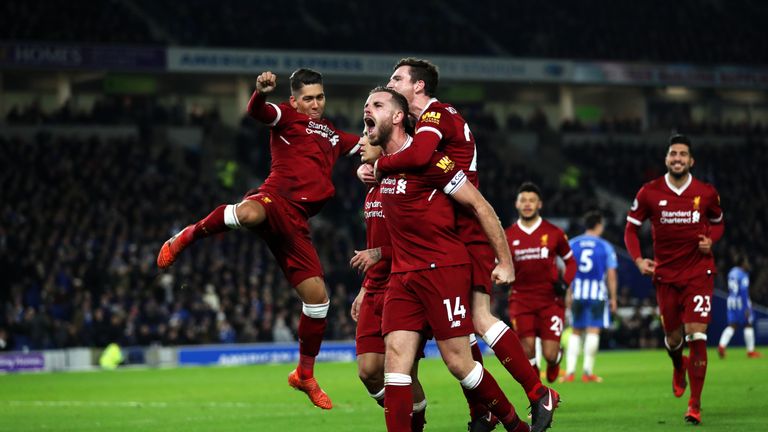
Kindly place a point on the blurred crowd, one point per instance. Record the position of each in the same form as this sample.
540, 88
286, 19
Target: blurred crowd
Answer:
735, 169
691, 31
81, 221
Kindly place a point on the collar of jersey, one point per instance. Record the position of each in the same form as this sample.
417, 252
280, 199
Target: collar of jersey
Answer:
431, 101
533, 228
682, 188
406, 145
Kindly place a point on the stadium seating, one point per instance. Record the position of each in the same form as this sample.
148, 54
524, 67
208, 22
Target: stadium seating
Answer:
684, 31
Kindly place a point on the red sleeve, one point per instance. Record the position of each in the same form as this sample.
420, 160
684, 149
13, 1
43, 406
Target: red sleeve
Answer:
632, 241
570, 270
386, 253
259, 109
416, 156
716, 232
566, 253
350, 143
639, 210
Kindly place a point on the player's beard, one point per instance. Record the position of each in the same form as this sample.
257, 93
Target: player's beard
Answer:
530, 218
679, 175
383, 135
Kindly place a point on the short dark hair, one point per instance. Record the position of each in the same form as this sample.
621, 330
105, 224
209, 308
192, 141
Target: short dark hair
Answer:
304, 76
592, 219
422, 70
529, 187
678, 138
400, 101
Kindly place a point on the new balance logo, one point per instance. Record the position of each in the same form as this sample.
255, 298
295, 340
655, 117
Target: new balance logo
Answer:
456, 324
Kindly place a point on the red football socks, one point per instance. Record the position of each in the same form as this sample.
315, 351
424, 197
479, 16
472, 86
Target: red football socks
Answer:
212, 224
488, 391
697, 369
310, 337
511, 355
398, 407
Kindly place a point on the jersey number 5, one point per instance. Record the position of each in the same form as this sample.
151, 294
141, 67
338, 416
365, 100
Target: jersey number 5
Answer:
585, 260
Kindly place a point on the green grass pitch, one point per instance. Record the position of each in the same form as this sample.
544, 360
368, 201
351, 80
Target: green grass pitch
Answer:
636, 396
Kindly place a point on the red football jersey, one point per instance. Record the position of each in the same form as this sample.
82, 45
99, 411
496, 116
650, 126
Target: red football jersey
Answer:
377, 236
533, 251
440, 127
303, 153
421, 218
677, 217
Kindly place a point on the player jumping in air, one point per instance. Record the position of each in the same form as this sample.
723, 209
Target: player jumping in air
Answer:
304, 148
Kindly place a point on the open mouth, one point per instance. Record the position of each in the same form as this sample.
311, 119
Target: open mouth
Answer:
370, 124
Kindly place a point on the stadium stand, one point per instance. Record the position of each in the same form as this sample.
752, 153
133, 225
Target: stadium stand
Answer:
686, 31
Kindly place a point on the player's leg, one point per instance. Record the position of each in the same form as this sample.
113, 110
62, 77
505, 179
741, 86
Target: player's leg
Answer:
479, 382
696, 336
591, 345
504, 342
572, 353
401, 346
369, 345
725, 339
696, 309
749, 341
249, 214
552, 353
550, 330
312, 323
419, 416
370, 370
669, 300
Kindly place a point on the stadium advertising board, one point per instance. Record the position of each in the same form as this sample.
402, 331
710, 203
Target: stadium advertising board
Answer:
658, 75
227, 61
21, 362
62, 56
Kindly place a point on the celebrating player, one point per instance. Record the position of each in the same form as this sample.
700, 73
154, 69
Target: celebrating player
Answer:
429, 286
440, 127
739, 308
591, 297
686, 219
537, 297
304, 148
367, 308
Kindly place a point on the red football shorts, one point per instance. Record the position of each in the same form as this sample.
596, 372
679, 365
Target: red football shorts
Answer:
544, 320
685, 302
483, 261
436, 298
368, 337
286, 233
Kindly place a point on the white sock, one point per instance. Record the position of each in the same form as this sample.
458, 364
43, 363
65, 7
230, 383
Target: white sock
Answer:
473, 378
492, 336
591, 344
230, 216
316, 310
420, 406
539, 355
397, 379
572, 356
749, 338
725, 338
378, 396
